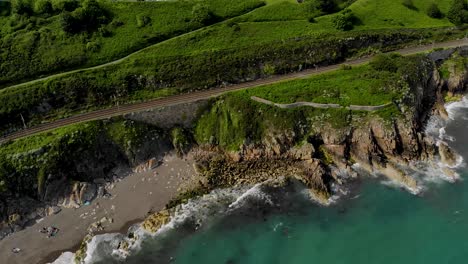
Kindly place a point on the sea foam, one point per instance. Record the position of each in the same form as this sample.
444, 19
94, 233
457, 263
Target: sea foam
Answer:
195, 212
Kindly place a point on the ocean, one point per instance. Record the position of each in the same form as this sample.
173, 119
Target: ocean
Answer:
377, 222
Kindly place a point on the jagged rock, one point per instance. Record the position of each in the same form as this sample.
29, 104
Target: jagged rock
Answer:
81, 192
155, 221
447, 155
302, 152
53, 210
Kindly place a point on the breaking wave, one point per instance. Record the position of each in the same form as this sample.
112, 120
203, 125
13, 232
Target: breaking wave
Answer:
194, 213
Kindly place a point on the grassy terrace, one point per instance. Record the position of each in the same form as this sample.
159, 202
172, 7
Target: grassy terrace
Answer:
356, 86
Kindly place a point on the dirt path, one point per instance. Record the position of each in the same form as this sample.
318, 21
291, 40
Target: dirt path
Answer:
195, 96
369, 108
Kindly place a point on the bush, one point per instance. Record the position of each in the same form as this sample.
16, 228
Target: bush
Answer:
409, 4
326, 6
142, 20
344, 21
5, 8
457, 12
92, 46
385, 62
434, 11
86, 18
68, 22
21, 7
346, 67
201, 15
43, 7
64, 5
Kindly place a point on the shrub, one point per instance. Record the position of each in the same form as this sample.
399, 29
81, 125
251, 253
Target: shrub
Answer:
5, 8
409, 4
385, 62
43, 7
21, 7
269, 69
346, 67
457, 12
344, 21
201, 15
64, 5
142, 20
92, 46
68, 22
86, 18
326, 6
434, 11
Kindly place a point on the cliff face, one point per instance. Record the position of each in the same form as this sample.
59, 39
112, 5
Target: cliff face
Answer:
319, 155
71, 168
238, 142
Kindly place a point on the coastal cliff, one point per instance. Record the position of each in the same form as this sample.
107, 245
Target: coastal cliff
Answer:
236, 141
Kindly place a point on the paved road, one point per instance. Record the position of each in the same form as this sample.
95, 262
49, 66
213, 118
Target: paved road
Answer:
195, 96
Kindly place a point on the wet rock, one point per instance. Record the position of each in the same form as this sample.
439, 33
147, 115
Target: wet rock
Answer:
447, 155
155, 221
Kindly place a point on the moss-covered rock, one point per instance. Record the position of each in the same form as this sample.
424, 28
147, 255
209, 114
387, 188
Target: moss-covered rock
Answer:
155, 221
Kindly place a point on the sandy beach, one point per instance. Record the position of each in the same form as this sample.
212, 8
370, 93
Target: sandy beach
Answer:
131, 200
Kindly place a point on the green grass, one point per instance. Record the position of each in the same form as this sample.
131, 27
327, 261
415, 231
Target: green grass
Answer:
456, 66
393, 14
230, 52
357, 86
32, 46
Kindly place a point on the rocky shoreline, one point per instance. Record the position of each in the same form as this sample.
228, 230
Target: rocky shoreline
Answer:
327, 158
335, 157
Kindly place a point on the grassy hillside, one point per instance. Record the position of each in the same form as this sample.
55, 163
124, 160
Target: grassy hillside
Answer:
393, 14
32, 44
244, 48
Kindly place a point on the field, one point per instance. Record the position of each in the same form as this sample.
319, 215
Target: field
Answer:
35, 45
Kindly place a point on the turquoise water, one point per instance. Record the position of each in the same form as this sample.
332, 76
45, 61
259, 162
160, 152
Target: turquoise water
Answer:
380, 225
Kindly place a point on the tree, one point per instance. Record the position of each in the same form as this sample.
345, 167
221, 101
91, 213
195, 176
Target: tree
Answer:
344, 21
42, 7
434, 11
457, 12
